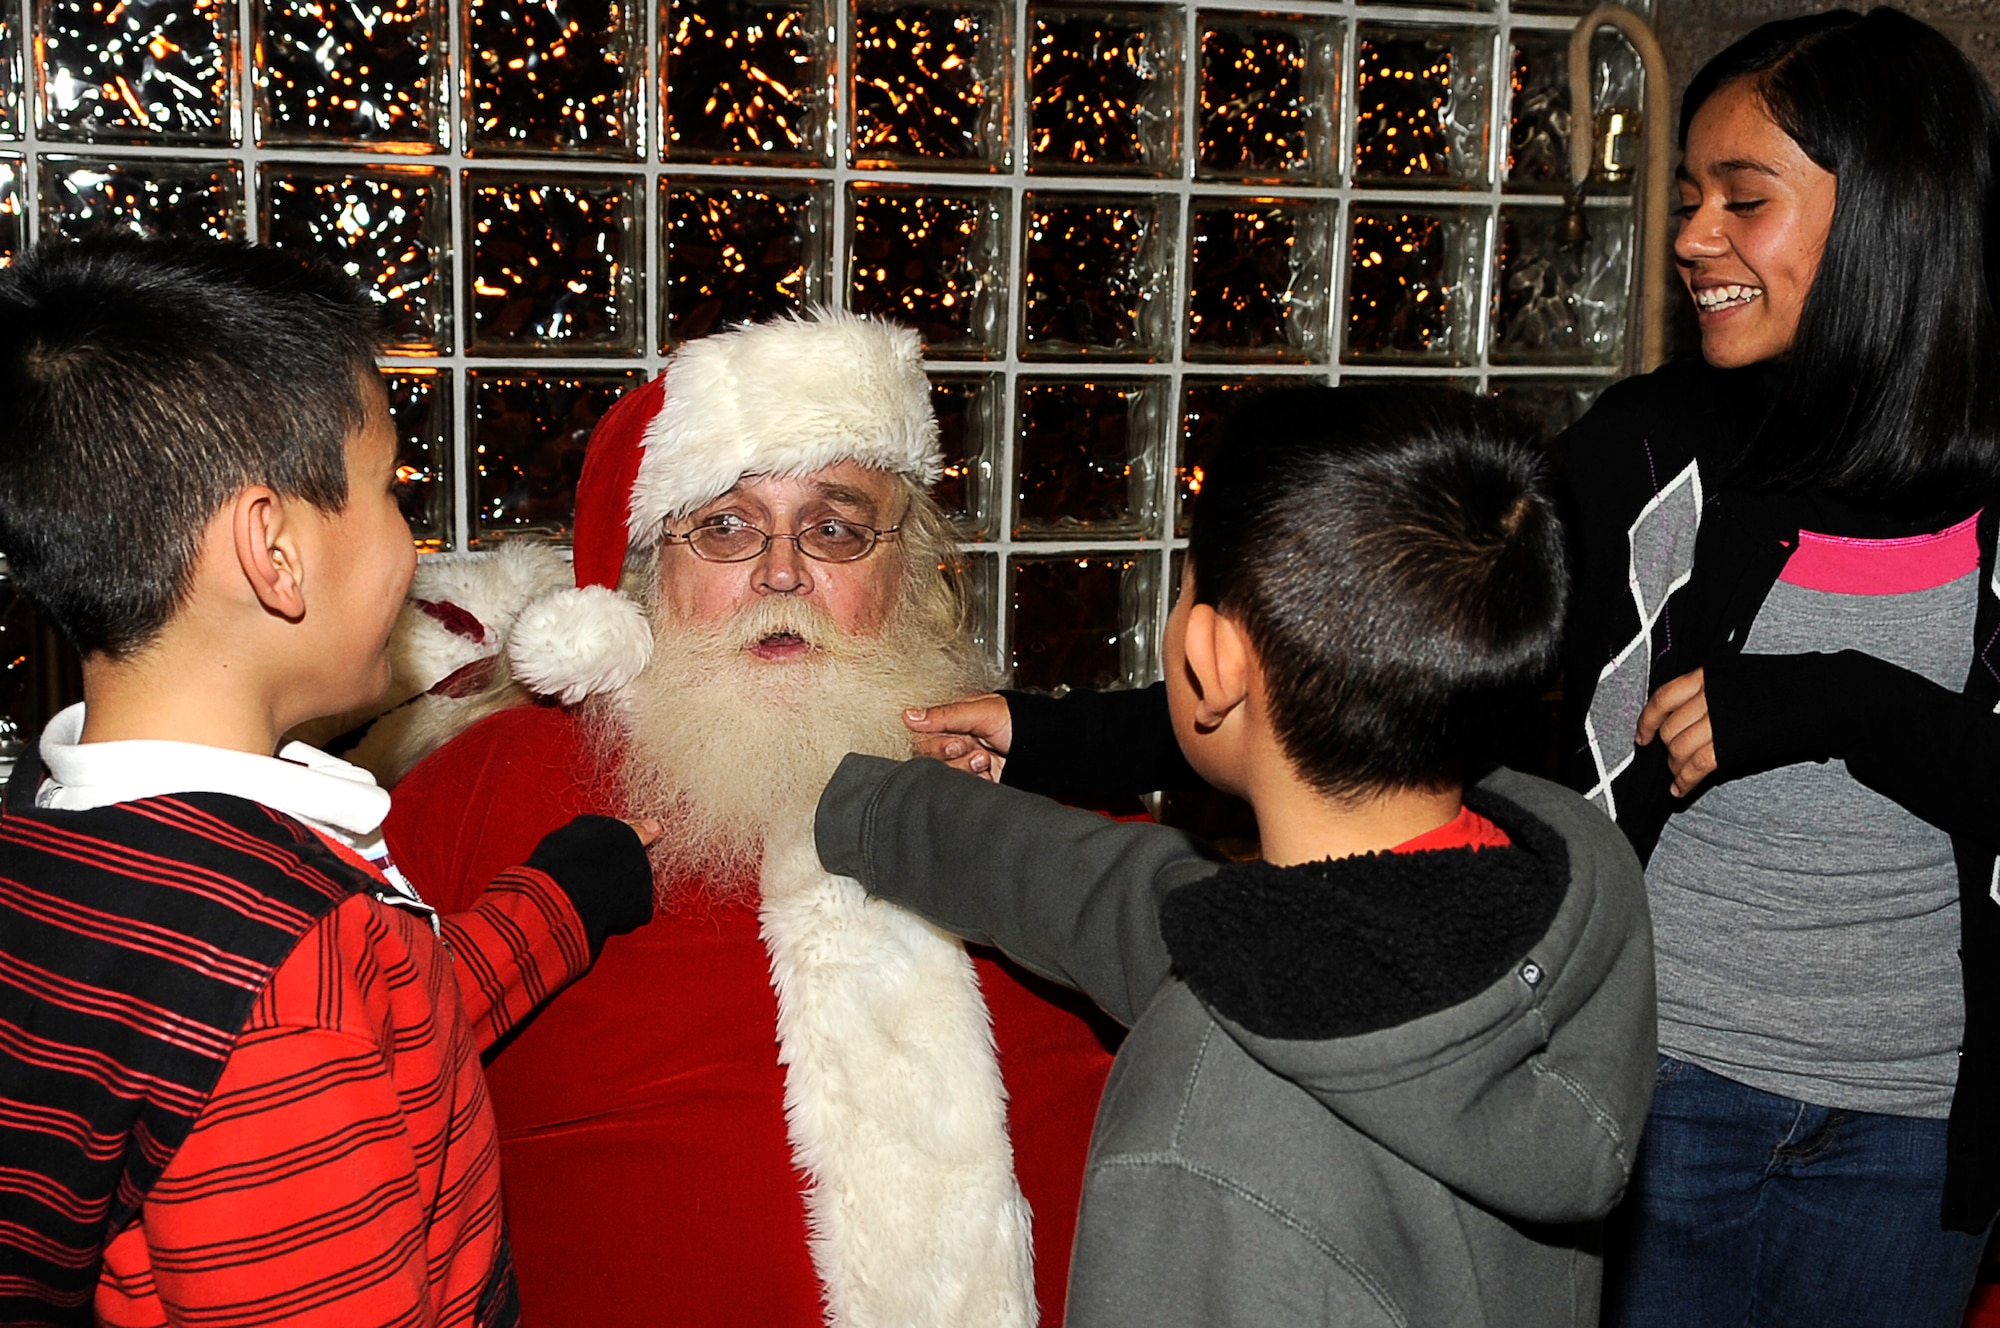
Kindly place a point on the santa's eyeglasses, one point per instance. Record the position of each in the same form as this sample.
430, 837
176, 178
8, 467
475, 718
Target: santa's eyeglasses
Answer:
829, 540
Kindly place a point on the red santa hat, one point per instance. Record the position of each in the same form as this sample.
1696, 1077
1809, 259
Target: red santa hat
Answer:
786, 397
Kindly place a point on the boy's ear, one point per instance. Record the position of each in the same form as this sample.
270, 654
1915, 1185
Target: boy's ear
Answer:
267, 551
1218, 654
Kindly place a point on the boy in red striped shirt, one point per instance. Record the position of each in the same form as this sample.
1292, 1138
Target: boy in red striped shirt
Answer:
239, 1083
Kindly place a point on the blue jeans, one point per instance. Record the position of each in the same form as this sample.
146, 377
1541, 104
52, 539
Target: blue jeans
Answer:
1750, 1208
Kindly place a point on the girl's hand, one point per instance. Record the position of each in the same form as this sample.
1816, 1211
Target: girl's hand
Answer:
971, 734
1678, 714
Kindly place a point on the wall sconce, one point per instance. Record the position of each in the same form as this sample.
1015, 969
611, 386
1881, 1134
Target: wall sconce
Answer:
1607, 151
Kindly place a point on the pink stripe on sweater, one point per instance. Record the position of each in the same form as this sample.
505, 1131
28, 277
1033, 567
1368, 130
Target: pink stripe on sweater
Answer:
1844, 566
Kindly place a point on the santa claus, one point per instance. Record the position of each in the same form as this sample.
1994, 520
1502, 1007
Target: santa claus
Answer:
779, 1102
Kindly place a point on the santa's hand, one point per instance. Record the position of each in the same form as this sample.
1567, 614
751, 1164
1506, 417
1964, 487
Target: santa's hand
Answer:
647, 829
972, 734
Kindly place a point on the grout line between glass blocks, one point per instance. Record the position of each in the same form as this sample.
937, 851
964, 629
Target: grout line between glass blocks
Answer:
29, 121
459, 444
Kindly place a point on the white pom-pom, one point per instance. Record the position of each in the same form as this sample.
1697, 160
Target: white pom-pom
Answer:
579, 642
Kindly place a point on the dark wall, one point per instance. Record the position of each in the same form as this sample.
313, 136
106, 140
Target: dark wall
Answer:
1693, 30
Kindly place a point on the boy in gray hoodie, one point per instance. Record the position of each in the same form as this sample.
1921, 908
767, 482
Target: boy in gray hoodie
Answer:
1394, 1072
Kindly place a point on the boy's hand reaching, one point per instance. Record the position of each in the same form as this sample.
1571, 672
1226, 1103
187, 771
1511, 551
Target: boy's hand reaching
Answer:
1678, 714
600, 862
972, 734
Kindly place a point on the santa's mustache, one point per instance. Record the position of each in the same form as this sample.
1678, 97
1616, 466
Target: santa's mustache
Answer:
769, 617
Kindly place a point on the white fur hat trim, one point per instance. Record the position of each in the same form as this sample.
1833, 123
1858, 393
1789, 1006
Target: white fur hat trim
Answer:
579, 641
785, 397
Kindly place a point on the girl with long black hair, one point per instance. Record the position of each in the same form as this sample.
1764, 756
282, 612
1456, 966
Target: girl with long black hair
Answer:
1782, 679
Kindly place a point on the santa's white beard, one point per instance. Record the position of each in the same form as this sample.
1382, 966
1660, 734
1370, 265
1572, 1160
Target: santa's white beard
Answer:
723, 746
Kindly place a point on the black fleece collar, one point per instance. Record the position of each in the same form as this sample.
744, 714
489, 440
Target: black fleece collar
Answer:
1354, 945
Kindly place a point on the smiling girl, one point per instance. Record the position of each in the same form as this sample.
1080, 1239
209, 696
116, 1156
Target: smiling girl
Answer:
1782, 684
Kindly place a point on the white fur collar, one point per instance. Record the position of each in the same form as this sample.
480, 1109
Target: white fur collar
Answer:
895, 1108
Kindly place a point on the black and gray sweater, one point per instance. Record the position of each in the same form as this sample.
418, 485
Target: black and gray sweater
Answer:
1672, 565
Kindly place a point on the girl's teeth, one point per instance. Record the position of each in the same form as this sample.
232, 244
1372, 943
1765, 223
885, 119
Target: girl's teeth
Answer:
1722, 297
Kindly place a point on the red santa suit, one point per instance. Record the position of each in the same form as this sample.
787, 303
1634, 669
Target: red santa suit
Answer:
780, 1102
648, 1172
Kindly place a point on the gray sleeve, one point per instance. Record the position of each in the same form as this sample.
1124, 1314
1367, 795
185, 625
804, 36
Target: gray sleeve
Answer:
1071, 894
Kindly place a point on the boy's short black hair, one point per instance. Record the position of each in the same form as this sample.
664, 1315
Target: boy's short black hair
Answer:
1395, 556
143, 383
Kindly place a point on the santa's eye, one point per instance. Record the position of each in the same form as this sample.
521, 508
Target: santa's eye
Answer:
833, 540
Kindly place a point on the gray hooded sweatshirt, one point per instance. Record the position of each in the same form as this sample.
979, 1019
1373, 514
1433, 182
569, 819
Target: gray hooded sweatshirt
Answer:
1389, 1090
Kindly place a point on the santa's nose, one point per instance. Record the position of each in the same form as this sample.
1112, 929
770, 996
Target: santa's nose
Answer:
782, 570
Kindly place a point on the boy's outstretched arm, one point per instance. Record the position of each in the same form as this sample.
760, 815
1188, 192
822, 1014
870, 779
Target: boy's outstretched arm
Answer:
1067, 893
1116, 741
538, 927
1119, 741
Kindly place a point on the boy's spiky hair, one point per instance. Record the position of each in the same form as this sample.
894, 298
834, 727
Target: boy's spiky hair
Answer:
142, 384
1395, 557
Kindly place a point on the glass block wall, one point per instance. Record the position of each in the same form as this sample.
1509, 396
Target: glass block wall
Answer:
1105, 219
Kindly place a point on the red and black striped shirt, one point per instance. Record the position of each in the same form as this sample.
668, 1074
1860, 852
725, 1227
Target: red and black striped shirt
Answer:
237, 1088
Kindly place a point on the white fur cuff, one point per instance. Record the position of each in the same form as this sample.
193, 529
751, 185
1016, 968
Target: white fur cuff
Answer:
579, 642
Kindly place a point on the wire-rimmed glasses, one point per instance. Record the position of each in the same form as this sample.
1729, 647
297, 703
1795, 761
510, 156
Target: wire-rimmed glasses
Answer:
827, 540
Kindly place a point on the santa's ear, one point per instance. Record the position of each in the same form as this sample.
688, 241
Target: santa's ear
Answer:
264, 536
1222, 662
